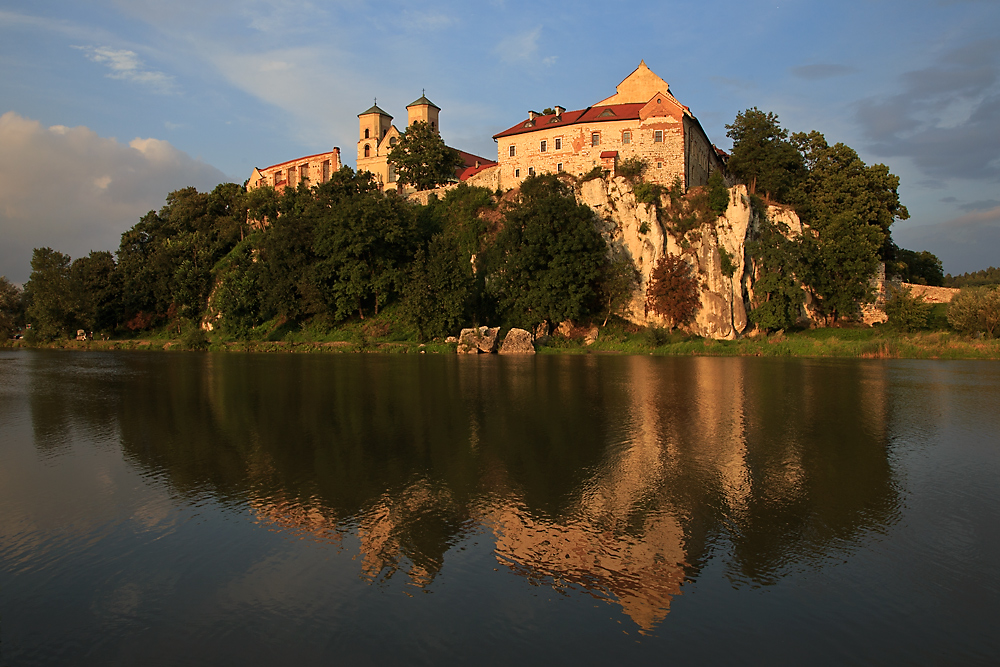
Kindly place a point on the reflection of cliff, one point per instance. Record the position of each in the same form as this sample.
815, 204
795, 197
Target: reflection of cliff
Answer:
615, 476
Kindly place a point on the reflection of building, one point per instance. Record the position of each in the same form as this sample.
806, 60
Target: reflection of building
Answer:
377, 136
641, 120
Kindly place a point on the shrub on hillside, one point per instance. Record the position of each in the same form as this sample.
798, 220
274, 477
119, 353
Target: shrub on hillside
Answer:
672, 292
906, 312
976, 310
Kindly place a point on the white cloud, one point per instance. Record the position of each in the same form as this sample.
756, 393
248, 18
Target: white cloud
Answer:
74, 191
125, 65
520, 47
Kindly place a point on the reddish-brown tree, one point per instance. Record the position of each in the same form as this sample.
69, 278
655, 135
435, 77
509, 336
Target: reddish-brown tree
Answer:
672, 291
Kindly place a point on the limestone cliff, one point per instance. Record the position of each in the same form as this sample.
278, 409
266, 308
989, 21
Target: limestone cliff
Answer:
633, 227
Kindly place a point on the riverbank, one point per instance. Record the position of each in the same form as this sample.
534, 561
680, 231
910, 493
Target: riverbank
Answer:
862, 343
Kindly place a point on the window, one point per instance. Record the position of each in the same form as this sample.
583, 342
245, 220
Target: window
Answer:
513, 151
367, 133
558, 143
559, 167
304, 172
368, 150
291, 175
659, 165
555, 119
607, 113
432, 125
626, 137
392, 141
326, 171
517, 173
543, 146
392, 173
595, 139
531, 171
657, 136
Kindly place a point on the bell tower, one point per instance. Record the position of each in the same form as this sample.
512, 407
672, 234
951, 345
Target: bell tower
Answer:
373, 125
425, 111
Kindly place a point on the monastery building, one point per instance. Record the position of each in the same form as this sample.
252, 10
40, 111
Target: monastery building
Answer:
641, 120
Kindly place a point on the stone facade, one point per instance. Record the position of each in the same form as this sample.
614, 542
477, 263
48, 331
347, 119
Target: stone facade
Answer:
312, 169
377, 136
642, 120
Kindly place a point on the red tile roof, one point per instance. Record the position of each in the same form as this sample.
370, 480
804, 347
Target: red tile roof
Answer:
588, 115
469, 166
607, 154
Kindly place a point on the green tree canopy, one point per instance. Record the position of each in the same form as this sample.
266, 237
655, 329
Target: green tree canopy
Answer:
422, 159
763, 157
48, 288
547, 261
10, 308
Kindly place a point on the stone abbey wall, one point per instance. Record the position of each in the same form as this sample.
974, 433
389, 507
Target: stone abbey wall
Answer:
312, 169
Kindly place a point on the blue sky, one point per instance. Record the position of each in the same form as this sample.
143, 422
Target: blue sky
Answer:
107, 106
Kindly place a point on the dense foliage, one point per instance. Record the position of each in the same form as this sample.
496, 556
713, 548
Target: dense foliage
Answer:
11, 308
777, 295
990, 276
906, 313
917, 268
976, 310
422, 159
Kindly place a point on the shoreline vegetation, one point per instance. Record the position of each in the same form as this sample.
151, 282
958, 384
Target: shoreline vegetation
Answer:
615, 338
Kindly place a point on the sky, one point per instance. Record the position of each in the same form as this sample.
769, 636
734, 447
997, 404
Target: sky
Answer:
107, 106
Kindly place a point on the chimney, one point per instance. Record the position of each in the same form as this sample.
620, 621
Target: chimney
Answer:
532, 115
559, 110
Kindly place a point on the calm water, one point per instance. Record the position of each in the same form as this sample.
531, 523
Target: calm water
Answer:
197, 509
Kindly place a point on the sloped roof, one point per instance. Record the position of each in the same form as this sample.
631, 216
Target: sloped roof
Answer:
588, 115
374, 109
422, 101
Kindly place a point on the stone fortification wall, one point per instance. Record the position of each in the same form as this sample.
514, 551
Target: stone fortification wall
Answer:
312, 169
932, 294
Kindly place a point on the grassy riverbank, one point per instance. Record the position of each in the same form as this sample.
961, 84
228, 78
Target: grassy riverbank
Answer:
616, 338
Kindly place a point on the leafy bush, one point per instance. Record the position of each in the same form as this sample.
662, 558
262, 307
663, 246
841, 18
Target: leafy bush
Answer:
718, 193
975, 310
195, 339
906, 312
632, 169
596, 172
726, 263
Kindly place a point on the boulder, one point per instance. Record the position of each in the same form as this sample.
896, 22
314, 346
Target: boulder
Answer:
488, 339
517, 341
481, 339
565, 329
590, 337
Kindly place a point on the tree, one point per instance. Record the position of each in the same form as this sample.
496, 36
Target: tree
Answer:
918, 268
672, 291
95, 291
777, 295
48, 290
618, 283
10, 308
440, 288
763, 157
839, 183
546, 262
422, 159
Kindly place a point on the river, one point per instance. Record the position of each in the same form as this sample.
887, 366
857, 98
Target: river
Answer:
207, 509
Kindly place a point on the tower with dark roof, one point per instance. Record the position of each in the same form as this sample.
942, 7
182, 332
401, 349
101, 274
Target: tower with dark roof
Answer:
423, 110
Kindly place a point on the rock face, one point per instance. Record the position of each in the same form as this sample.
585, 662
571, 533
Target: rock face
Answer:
474, 341
632, 228
517, 341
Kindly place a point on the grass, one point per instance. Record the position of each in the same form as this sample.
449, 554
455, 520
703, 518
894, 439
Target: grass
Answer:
387, 334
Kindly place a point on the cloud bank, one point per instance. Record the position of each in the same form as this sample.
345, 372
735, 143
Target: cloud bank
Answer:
966, 243
74, 191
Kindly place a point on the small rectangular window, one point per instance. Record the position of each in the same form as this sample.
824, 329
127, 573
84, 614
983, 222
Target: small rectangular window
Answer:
543, 146
595, 139
517, 173
626, 137
657, 136
558, 143
531, 171
559, 167
513, 151
304, 172
392, 173
659, 165
326, 171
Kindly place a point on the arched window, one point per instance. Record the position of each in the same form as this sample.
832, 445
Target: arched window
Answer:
367, 133
392, 141
368, 150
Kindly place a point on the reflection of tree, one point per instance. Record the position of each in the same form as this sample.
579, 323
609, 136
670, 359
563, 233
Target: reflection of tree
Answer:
607, 475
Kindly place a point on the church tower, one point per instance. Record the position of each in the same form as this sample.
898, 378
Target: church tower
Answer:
425, 111
373, 125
